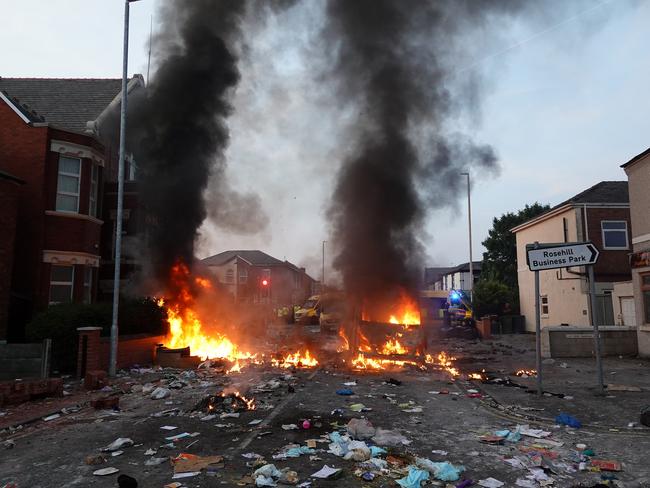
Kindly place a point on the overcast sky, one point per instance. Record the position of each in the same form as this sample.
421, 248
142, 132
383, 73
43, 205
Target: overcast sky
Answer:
565, 105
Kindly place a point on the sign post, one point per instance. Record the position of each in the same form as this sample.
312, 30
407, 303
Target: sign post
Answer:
563, 255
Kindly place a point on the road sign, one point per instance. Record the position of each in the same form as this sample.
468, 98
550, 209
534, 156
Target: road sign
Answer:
552, 256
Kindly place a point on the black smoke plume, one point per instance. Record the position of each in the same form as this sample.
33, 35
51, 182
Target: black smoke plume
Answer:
177, 128
393, 61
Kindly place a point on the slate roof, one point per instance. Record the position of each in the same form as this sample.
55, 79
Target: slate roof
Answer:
256, 258
476, 266
66, 103
431, 275
636, 158
603, 192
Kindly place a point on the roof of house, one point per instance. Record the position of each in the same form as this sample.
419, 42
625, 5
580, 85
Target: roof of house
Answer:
476, 266
254, 257
66, 103
431, 275
636, 158
603, 193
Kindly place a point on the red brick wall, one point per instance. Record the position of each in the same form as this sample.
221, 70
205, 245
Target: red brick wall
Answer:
611, 265
8, 212
23, 151
130, 350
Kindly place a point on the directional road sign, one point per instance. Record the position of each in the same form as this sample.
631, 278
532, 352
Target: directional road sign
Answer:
551, 256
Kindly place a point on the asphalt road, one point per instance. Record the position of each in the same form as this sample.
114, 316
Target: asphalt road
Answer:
52, 454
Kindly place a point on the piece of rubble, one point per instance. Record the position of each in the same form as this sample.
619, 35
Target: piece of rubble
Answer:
155, 461
159, 393
105, 471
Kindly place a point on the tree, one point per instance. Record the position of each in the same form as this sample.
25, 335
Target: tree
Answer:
500, 259
492, 297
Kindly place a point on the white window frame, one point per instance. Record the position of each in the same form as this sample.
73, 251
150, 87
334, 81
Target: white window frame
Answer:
603, 231
62, 283
94, 190
88, 285
243, 276
66, 193
542, 299
230, 276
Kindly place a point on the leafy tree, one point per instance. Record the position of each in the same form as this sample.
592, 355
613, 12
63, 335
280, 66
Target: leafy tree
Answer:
492, 297
500, 259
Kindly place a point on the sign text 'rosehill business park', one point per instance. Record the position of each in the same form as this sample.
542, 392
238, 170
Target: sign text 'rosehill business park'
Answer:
560, 255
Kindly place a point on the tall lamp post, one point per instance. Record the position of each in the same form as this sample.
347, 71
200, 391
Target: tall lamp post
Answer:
323, 270
112, 367
469, 221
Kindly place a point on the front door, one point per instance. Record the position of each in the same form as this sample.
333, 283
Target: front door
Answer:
628, 310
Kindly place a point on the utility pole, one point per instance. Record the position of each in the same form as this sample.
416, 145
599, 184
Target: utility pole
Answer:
112, 366
469, 221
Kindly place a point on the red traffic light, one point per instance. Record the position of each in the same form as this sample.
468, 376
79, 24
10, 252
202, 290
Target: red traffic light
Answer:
265, 282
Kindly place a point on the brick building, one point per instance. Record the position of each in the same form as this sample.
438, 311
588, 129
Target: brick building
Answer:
50, 140
242, 273
600, 214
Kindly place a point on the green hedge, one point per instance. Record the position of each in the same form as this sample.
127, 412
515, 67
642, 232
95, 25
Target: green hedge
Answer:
60, 323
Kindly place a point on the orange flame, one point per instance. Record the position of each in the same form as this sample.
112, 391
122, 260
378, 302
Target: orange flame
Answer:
250, 402
297, 359
363, 362
393, 346
408, 312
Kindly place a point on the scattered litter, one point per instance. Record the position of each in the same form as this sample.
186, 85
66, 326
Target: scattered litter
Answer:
178, 437
155, 461
439, 452
189, 463
606, 465
537, 433
266, 475
491, 483
325, 472
169, 427
95, 459
190, 474
293, 451
105, 471
311, 443
360, 429
344, 392
359, 407
414, 478
118, 444
252, 455
159, 393
357, 451
227, 415
350, 383
306, 424
51, 417
442, 471
117, 453
566, 419
256, 421
289, 427
150, 452
389, 438
526, 483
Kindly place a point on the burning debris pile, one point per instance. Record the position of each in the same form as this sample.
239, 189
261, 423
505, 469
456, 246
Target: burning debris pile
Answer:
225, 403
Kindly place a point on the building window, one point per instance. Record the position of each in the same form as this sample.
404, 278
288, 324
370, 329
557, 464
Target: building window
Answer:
88, 284
565, 229
645, 293
68, 184
230, 276
243, 276
61, 284
614, 234
94, 188
544, 305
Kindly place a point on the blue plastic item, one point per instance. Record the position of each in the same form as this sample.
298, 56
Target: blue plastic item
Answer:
566, 419
414, 479
345, 392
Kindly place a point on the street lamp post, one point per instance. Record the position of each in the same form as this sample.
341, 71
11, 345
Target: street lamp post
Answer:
469, 221
112, 367
323, 270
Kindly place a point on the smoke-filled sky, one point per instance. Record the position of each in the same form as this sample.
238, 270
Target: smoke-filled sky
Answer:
560, 97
